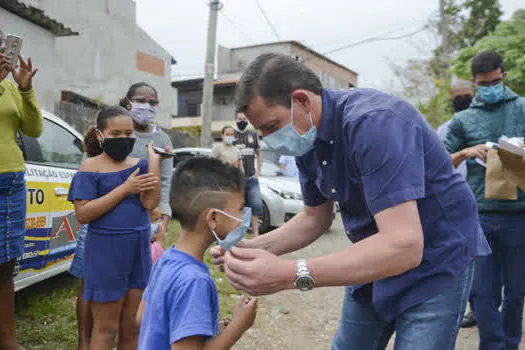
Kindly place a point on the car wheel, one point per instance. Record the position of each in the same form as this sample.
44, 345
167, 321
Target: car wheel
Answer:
264, 220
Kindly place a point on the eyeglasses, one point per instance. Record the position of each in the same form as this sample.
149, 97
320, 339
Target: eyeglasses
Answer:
489, 83
153, 102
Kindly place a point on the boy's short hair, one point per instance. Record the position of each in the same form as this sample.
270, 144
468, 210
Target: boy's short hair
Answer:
201, 183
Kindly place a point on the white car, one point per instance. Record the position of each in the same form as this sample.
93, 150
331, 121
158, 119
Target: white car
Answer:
51, 228
281, 195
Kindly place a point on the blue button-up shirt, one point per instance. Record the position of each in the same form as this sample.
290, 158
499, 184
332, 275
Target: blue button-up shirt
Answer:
375, 151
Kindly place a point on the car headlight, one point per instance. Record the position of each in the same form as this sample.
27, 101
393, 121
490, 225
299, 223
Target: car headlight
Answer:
287, 194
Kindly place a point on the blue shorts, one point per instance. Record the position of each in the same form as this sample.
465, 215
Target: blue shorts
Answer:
13, 201
77, 265
252, 196
115, 264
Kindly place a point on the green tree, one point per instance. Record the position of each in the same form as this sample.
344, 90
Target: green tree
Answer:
426, 82
509, 41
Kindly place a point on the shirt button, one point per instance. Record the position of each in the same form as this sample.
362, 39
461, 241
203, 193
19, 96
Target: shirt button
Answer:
325, 162
333, 190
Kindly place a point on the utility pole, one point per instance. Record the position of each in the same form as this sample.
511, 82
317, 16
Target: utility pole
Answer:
209, 70
444, 33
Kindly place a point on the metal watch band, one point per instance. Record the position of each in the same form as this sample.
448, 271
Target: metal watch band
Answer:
304, 280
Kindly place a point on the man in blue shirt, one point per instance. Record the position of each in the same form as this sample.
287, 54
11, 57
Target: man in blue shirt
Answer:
413, 220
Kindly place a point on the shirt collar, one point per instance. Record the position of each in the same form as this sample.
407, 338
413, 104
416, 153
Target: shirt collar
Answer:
328, 98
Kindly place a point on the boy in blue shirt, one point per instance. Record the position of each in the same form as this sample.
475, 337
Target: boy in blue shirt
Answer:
180, 308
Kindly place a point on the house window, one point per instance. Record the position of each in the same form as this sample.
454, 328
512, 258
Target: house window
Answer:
194, 109
322, 77
331, 82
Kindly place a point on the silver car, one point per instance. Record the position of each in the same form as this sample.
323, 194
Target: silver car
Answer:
281, 195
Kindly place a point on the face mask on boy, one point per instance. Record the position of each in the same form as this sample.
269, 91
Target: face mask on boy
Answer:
235, 236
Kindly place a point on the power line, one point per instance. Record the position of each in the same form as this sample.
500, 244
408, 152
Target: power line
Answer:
233, 23
425, 27
268, 20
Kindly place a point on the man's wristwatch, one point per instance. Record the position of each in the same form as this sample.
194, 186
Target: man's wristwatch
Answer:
304, 280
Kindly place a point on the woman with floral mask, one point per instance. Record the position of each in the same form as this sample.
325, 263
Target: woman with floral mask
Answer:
142, 101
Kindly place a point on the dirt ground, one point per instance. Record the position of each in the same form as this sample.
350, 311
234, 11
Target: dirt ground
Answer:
292, 320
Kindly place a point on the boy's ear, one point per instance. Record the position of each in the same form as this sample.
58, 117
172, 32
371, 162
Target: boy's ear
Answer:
211, 218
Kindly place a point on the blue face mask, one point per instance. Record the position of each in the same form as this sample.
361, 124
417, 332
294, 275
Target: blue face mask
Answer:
491, 94
235, 236
229, 140
288, 142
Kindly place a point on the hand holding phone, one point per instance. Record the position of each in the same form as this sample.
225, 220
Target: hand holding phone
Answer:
162, 152
13, 45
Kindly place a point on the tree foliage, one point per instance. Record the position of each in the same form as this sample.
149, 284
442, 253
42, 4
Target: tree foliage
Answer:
426, 82
509, 41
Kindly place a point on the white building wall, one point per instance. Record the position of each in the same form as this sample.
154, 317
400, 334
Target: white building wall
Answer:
100, 63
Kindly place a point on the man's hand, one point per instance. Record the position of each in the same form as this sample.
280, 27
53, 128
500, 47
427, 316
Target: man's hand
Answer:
478, 151
258, 272
24, 73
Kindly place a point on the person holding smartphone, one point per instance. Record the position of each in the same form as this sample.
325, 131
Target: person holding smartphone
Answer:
142, 101
19, 111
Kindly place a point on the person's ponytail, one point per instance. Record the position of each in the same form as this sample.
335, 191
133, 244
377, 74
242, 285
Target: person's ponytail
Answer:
92, 145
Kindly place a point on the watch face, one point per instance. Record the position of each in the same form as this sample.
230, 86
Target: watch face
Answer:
304, 283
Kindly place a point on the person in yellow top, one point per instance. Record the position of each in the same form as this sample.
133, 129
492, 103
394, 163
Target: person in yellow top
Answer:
19, 110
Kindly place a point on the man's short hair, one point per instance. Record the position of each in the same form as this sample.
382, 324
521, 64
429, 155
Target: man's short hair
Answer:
202, 183
485, 62
274, 77
461, 84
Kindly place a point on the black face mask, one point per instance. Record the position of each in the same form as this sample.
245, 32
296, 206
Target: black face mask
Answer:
118, 148
242, 125
461, 103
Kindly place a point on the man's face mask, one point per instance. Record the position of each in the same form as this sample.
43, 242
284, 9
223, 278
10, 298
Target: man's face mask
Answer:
235, 236
117, 148
143, 113
461, 103
242, 124
288, 142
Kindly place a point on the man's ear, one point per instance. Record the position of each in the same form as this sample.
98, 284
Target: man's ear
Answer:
504, 75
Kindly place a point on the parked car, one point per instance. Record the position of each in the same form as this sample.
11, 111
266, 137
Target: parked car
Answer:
281, 195
51, 162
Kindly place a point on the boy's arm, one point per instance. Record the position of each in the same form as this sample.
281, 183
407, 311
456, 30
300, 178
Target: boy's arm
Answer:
140, 313
224, 341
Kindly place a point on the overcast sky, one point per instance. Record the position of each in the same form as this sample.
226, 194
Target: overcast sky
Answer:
180, 26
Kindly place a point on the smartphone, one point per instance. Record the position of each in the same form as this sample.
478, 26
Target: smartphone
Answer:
13, 45
162, 151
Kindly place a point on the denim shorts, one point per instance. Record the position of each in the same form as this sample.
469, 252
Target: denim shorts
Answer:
252, 196
77, 265
13, 201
